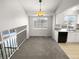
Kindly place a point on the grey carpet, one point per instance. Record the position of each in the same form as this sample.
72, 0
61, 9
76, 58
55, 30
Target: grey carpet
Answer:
40, 48
0, 54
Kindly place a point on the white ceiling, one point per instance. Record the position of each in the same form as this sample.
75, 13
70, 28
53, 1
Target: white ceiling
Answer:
34, 5
66, 4
49, 6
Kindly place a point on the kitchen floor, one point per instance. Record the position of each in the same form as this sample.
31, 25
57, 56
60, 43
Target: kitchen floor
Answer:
71, 49
40, 48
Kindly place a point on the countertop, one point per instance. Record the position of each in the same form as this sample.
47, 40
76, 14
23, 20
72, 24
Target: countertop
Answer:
65, 30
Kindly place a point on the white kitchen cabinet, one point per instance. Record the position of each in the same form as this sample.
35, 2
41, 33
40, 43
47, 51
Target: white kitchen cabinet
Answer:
56, 36
73, 37
77, 37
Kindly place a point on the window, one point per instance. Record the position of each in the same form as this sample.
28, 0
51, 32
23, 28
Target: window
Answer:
70, 19
40, 22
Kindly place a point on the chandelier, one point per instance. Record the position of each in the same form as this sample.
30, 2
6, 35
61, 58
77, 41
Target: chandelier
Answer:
40, 12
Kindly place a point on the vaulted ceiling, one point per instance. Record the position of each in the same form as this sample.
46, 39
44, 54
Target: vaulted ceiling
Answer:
34, 5
66, 4
49, 6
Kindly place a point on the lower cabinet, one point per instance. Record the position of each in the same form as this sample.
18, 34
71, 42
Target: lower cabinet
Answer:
60, 37
63, 37
73, 37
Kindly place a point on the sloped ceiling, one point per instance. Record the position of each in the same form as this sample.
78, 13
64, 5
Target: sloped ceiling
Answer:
34, 5
49, 6
66, 4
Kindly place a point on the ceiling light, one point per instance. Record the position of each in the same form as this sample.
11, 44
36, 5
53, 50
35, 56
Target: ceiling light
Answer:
40, 12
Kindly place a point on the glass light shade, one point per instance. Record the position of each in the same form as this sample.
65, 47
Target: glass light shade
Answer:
40, 13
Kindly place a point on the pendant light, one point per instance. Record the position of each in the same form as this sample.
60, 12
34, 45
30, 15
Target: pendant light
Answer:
40, 12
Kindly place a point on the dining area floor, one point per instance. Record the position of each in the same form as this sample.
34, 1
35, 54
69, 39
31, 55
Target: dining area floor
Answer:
40, 48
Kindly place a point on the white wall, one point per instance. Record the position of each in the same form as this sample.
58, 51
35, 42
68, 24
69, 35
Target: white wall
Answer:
53, 24
60, 17
12, 15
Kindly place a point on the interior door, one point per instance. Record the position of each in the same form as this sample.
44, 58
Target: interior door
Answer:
40, 26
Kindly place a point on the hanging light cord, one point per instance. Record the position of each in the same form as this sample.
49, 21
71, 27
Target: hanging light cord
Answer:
40, 6
40, 1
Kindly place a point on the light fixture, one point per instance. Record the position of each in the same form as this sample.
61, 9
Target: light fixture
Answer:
40, 12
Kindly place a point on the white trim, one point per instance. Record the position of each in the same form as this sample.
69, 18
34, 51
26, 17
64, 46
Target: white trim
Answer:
17, 48
21, 31
21, 43
39, 28
2, 40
